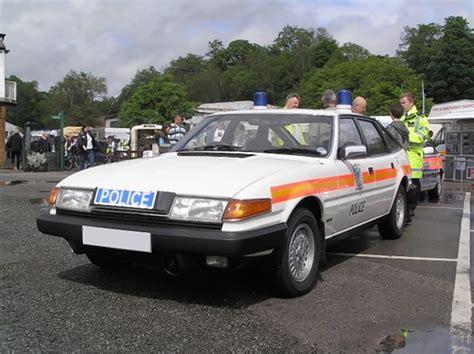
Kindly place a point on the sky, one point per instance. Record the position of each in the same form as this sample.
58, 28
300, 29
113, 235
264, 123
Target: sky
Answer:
115, 38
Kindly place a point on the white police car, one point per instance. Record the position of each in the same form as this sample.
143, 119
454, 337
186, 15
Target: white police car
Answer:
273, 184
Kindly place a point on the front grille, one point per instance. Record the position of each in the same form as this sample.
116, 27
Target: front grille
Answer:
133, 218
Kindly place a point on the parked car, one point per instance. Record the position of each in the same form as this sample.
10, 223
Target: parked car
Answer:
432, 180
238, 187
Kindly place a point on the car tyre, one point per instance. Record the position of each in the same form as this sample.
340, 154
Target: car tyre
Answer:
435, 193
297, 261
104, 260
391, 227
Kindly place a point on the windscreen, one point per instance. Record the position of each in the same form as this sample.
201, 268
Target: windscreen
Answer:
271, 133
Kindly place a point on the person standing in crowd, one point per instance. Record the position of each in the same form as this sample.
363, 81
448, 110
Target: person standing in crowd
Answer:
176, 130
359, 105
418, 128
329, 99
397, 128
111, 146
86, 144
43, 143
292, 101
15, 145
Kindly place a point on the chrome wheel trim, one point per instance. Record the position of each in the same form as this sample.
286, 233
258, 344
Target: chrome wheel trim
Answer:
400, 211
301, 252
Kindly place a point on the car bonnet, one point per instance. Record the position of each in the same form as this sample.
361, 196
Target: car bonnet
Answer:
211, 175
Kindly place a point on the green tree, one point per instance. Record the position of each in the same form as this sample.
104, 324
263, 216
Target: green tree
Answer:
185, 68
109, 106
216, 54
33, 105
419, 46
299, 50
452, 73
353, 51
78, 95
378, 79
141, 77
156, 101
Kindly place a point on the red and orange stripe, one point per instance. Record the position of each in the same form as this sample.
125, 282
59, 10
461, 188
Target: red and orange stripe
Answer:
299, 189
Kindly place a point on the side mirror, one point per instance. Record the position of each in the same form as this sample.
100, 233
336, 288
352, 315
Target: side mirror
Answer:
429, 150
353, 152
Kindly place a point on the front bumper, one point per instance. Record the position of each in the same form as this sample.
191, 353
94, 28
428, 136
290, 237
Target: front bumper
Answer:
168, 238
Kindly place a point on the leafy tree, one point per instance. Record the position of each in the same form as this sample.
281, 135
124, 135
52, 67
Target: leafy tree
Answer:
238, 51
109, 106
156, 101
324, 48
290, 38
141, 77
78, 95
184, 68
444, 55
380, 80
33, 105
216, 54
452, 74
353, 51
419, 46
300, 50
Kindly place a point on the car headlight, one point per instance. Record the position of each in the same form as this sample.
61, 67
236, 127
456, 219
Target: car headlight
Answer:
74, 199
196, 209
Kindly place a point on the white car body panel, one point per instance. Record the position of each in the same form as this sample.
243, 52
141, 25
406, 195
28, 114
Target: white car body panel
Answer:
220, 175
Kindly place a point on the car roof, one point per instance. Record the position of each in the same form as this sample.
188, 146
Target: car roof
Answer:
301, 111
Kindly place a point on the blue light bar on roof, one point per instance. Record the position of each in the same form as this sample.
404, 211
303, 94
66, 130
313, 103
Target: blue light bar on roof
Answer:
344, 99
260, 100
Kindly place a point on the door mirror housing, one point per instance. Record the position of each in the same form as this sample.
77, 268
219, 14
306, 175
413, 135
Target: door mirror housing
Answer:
353, 152
429, 150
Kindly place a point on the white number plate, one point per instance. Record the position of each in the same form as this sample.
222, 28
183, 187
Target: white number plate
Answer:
125, 198
119, 239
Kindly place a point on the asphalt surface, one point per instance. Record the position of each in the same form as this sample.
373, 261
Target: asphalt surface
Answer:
54, 300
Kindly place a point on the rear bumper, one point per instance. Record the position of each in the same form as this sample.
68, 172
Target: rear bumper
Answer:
168, 238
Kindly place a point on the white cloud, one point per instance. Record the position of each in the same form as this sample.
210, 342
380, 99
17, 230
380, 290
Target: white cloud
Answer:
114, 39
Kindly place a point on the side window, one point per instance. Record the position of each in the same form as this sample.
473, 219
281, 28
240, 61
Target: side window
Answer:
348, 133
375, 144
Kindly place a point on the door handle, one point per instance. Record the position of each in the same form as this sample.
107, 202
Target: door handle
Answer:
392, 165
371, 171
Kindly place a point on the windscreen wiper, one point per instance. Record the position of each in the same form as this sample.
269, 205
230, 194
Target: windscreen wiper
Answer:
293, 151
213, 147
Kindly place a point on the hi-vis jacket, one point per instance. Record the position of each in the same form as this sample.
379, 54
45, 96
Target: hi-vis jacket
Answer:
418, 128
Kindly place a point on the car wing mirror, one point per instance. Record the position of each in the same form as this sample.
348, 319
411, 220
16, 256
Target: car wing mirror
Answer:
353, 152
428, 150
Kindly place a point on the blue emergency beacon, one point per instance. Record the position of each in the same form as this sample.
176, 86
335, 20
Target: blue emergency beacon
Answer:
344, 99
260, 100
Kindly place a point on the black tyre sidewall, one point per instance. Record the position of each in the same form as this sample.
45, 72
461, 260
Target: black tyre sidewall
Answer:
287, 285
388, 228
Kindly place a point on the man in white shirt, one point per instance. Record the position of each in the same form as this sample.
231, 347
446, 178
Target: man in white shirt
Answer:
86, 142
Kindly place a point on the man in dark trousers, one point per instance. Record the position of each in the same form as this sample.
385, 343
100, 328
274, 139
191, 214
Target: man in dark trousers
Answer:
85, 145
15, 145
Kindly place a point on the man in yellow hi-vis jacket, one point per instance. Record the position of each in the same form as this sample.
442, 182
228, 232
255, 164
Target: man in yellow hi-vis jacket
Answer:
293, 101
418, 129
